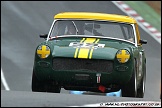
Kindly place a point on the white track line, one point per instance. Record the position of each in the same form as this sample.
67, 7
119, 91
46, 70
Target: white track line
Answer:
4, 81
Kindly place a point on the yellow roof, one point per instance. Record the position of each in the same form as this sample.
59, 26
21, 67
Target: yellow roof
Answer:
94, 16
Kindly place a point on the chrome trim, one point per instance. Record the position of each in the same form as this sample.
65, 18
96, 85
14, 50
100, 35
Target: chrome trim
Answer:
95, 37
135, 35
50, 31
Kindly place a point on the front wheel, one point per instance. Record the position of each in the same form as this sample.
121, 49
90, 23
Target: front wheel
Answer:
40, 86
130, 89
52, 88
141, 89
36, 84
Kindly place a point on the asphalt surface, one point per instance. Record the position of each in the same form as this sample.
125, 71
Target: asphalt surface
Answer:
21, 24
31, 99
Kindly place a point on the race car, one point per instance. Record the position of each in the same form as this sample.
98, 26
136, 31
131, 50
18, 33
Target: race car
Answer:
90, 51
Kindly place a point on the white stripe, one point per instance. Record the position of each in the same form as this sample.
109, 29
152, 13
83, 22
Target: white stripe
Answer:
124, 6
131, 12
158, 34
138, 18
141, 25
4, 81
145, 24
152, 29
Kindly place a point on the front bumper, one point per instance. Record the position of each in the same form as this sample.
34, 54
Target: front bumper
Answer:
83, 74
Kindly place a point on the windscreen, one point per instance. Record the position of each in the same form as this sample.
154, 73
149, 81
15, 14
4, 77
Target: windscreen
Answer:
93, 28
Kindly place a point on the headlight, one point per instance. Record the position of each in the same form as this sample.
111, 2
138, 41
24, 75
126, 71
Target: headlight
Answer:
43, 51
123, 56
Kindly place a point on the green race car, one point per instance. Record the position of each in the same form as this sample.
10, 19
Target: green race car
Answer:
95, 52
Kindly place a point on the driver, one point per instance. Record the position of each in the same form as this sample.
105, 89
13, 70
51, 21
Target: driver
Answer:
70, 29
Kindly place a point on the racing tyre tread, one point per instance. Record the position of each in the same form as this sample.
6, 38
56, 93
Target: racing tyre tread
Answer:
141, 89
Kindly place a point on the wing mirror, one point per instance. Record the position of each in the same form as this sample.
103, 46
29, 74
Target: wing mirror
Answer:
143, 41
43, 36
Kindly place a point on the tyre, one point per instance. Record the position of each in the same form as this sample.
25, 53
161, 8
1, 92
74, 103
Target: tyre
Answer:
39, 86
36, 84
130, 89
52, 88
141, 89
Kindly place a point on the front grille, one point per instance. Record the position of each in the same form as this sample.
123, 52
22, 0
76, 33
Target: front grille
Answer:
96, 65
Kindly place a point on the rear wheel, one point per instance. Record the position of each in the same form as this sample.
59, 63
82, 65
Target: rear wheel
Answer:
130, 89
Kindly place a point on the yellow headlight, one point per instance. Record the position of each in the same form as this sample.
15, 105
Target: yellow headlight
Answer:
43, 51
123, 56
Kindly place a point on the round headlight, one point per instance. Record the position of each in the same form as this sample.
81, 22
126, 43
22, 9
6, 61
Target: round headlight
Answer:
43, 51
123, 56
